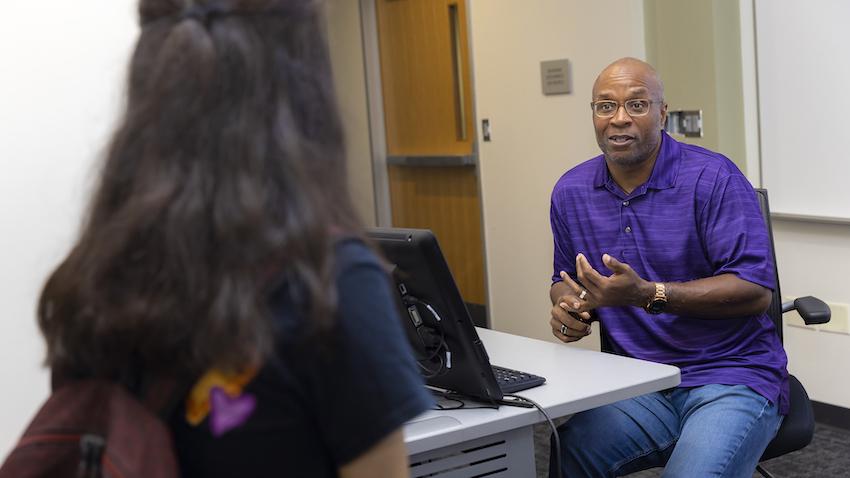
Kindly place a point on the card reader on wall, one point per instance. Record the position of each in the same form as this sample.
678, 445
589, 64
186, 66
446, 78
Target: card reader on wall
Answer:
685, 122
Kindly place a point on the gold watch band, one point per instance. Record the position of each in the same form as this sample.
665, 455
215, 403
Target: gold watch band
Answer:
658, 301
660, 291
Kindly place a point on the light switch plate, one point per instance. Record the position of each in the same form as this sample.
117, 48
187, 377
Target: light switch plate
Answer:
687, 123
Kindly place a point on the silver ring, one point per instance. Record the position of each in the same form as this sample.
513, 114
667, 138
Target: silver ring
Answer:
563, 329
583, 294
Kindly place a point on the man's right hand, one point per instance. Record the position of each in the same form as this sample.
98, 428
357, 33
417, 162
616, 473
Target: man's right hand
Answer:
568, 325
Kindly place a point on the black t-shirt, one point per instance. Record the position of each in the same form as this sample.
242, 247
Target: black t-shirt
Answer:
307, 412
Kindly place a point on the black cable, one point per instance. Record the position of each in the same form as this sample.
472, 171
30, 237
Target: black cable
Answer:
557, 450
428, 373
440, 350
437, 354
440, 369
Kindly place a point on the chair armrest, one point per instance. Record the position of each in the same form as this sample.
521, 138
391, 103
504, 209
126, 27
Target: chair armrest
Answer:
811, 309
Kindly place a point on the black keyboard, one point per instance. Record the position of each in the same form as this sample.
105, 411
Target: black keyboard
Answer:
511, 381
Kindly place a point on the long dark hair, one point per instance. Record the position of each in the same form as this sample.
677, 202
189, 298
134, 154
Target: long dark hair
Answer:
226, 170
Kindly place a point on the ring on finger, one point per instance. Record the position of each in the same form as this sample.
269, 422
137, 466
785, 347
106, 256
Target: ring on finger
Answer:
583, 294
563, 329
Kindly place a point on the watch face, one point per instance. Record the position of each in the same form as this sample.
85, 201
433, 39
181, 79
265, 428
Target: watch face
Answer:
656, 306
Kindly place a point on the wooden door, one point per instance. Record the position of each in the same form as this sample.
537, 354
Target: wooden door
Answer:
430, 132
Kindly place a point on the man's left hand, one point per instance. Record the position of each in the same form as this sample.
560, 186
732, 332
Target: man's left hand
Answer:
623, 287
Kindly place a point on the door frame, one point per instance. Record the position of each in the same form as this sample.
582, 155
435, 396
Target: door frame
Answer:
375, 108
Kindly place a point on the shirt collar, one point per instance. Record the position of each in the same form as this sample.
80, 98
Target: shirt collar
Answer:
664, 172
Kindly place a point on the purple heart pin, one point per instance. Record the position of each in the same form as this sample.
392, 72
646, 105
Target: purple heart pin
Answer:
229, 412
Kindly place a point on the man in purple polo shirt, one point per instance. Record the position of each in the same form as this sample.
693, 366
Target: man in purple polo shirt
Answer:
663, 242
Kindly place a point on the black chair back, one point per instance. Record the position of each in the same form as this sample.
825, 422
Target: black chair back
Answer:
775, 309
798, 427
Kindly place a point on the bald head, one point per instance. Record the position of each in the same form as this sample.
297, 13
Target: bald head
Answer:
631, 113
631, 67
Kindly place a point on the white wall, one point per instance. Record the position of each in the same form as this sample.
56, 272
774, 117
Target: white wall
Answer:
61, 69
536, 138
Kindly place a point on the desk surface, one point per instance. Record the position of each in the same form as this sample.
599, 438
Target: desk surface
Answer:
592, 379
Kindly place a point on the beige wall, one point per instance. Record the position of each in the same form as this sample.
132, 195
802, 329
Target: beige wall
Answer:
536, 138
695, 46
346, 48
813, 259
728, 81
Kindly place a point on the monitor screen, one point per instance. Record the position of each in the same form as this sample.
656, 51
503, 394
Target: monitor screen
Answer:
436, 321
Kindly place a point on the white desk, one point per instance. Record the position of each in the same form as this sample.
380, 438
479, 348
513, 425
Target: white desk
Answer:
473, 442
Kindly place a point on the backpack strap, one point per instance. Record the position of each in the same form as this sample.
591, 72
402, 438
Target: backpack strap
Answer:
161, 395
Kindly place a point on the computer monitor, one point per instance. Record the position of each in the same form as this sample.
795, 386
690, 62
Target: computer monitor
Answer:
438, 325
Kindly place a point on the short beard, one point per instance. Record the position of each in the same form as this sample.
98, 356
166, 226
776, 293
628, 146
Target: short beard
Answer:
628, 161
625, 162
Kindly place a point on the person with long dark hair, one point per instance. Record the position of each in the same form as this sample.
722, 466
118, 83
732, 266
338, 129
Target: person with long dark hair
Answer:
221, 244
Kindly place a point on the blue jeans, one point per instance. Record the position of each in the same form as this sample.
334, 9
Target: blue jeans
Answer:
712, 430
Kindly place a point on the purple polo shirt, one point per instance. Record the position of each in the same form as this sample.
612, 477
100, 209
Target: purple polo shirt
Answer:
697, 216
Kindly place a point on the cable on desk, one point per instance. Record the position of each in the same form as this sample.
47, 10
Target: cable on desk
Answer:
557, 450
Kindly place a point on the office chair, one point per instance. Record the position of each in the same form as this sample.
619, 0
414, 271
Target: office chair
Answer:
798, 426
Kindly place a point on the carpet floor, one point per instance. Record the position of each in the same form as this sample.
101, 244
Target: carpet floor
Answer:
827, 456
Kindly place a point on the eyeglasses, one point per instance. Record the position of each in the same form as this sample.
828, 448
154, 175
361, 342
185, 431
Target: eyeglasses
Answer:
609, 108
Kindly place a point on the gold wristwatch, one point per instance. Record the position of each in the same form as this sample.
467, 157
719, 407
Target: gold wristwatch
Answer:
658, 302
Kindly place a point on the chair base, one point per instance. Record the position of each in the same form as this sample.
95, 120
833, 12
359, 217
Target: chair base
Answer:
763, 472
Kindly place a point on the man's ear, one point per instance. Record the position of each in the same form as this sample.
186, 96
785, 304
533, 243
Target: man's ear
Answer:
663, 114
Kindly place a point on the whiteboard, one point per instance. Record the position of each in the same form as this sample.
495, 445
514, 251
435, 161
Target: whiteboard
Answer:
803, 56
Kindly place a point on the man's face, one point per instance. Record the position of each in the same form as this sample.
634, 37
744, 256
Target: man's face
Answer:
629, 140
